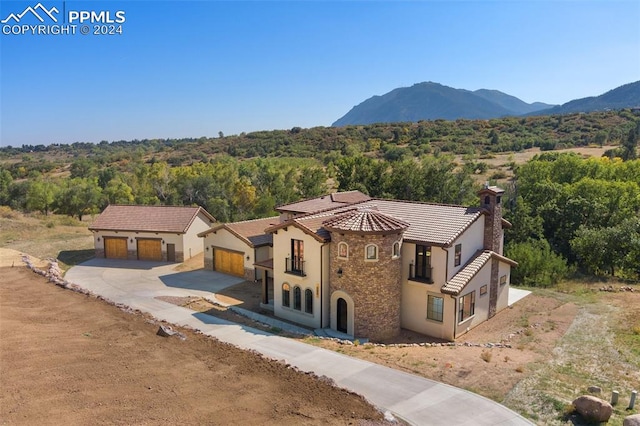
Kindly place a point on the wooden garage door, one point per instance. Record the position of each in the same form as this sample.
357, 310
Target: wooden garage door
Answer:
229, 262
115, 248
149, 249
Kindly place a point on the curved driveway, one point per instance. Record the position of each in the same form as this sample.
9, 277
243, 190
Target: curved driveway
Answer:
416, 400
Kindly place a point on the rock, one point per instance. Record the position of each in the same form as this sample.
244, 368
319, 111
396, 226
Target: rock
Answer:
633, 420
593, 409
595, 390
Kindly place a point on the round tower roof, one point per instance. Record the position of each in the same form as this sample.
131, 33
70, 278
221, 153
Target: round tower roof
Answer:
367, 221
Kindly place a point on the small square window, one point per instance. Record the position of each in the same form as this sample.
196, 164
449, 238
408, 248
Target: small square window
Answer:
503, 280
483, 290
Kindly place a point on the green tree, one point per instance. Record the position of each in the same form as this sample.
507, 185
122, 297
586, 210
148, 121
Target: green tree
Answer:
630, 145
538, 265
607, 249
312, 182
78, 197
5, 184
118, 192
41, 195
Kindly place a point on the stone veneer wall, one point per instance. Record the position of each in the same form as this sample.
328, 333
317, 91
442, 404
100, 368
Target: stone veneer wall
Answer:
374, 286
208, 263
492, 224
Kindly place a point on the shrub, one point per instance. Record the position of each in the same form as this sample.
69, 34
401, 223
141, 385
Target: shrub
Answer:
486, 355
7, 213
538, 265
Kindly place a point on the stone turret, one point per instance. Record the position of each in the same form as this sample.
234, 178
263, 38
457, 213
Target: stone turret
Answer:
365, 264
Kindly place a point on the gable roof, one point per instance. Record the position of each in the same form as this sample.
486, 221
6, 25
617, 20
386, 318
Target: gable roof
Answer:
460, 280
173, 219
324, 202
252, 232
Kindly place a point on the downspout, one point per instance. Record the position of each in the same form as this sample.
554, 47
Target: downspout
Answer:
455, 316
321, 282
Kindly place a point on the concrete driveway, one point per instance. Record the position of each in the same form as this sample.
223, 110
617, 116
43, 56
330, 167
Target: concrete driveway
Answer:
416, 400
137, 283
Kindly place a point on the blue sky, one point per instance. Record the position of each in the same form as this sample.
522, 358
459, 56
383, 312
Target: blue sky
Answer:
195, 68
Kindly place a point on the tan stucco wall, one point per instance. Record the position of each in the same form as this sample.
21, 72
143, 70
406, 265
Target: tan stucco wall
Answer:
222, 238
312, 255
132, 246
414, 310
193, 243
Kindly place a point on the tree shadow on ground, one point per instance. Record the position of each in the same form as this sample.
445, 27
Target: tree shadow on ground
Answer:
75, 257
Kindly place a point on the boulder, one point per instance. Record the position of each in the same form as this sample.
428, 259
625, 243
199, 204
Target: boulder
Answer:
633, 420
593, 409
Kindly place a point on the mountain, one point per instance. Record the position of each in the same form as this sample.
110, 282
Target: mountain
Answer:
626, 96
430, 101
511, 103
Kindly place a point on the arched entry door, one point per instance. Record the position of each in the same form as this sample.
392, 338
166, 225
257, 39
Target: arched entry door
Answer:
342, 315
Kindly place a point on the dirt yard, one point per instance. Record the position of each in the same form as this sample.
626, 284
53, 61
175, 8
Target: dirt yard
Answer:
71, 359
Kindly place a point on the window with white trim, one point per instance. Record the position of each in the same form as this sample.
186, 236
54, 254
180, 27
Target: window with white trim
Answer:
371, 252
467, 306
435, 308
343, 250
396, 250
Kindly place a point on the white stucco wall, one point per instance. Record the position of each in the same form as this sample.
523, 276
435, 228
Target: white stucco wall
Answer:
472, 240
313, 269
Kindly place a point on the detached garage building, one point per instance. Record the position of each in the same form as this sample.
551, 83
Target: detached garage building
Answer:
159, 233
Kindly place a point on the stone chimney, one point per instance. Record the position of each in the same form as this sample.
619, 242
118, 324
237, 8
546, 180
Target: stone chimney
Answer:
491, 201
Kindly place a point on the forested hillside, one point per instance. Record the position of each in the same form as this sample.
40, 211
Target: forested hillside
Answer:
567, 211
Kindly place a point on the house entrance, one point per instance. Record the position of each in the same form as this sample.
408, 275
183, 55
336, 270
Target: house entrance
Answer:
342, 315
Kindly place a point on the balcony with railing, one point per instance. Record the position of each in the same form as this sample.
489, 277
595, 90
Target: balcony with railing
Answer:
422, 275
295, 266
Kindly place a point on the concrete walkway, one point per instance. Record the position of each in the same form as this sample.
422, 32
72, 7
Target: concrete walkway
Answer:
416, 400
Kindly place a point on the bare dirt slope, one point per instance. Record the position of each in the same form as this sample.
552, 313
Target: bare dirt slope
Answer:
71, 359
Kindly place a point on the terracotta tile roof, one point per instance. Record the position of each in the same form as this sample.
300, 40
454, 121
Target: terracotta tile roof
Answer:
437, 224
365, 220
331, 201
252, 232
464, 276
460, 280
174, 219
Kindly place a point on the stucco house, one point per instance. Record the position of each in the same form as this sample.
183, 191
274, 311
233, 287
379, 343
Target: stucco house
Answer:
160, 233
369, 267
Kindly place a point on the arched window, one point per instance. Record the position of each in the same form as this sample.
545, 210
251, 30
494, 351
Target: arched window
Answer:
297, 298
371, 252
396, 249
343, 250
286, 295
308, 301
